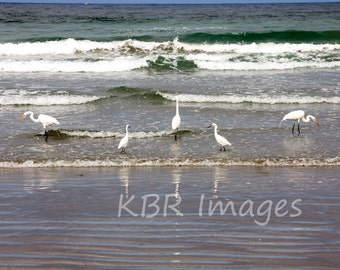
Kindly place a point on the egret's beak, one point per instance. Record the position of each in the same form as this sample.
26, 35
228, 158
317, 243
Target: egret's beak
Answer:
209, 126
22, 118
316, 122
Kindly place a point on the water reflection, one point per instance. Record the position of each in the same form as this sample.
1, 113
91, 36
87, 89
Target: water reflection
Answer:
220, 175
124, 179
39, 182
176, 180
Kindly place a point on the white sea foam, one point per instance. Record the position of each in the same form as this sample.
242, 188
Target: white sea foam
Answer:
134, 62
262, 99
43, 98
107, 134
71, 55
66, 46
118, 64
72, 46
264, 64
174, 162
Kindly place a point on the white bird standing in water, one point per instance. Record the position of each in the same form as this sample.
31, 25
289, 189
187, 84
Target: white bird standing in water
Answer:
298, 116
43, 119
220, 139
124, 141
176, 120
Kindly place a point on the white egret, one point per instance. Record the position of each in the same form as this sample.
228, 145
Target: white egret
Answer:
43, 119
124, 141
298, 116
176, 120
220, 139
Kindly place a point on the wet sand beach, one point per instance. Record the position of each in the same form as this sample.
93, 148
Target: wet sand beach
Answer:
170, 217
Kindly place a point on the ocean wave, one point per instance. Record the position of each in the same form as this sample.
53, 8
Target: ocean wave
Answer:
43, 98
170, 63
71, 46
118, 64
270, 36
108, 134
72, 55
260, 99
167, 64
172, 162
201, 37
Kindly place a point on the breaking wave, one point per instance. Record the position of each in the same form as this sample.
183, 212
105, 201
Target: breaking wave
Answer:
72, 46
71, 55
47, 98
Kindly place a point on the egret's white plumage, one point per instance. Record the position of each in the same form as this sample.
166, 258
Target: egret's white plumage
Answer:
124, 141
176, 120
220, 139
43, 119
297, 116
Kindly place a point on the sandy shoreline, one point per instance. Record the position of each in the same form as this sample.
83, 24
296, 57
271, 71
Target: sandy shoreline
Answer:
174, 217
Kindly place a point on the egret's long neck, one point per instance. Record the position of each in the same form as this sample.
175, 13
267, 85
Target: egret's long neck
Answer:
307, 119
32, 117
177, 110
215, 130
127, 130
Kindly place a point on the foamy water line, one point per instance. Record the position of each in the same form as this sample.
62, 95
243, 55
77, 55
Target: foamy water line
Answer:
172, 162
108, 134
46, 98
259, 98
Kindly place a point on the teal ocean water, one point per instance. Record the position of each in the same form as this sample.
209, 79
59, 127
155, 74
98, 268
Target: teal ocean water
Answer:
97, 68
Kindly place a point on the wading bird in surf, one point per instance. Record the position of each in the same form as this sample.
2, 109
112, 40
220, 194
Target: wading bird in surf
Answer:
176, 120
220, 139
298, 116
43, 119
124, 141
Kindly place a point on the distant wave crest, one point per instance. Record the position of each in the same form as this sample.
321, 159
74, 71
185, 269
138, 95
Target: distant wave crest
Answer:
42, 98
290, 36
261, 99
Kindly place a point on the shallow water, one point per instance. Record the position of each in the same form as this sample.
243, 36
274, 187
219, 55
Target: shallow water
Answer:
74, 218
241, 66
91, 131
